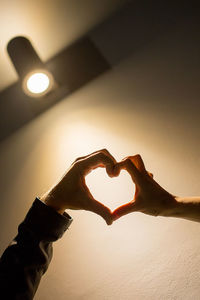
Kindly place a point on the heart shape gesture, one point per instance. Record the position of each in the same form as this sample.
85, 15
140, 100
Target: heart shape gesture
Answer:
110, 191
72, 192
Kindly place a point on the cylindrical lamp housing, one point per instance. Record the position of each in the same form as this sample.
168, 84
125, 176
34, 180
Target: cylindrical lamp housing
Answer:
23, 56
36, 80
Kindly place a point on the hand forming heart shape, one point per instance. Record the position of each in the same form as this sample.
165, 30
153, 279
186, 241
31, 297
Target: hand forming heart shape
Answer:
72, 192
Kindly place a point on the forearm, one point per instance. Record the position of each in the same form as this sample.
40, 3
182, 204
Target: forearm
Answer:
27, 258
22, 266
186, 208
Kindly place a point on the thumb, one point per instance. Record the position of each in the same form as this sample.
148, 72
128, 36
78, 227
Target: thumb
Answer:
124, 210
102, 211
138, 162
135, 174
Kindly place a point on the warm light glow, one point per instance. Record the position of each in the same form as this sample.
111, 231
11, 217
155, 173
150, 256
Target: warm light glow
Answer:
112, 192
38, 83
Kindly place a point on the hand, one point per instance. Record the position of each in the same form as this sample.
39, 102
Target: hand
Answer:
72, 192
150, 198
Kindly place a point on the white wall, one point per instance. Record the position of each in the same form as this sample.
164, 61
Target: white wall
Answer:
148, 104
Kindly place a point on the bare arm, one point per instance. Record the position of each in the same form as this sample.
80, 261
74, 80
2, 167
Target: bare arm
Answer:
150, 198
187, 208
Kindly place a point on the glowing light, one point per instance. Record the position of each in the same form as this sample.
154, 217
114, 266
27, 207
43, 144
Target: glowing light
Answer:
38, 83
112, 192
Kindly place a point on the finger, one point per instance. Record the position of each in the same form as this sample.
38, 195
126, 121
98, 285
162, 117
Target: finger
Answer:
99, 159
102, 150
109, 154
96, 206
110, 168
116, 169
138, 162
128, 165
85, 156
124, 210
101, 210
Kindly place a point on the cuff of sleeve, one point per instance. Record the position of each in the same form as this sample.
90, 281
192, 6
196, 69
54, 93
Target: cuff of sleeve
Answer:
46, 222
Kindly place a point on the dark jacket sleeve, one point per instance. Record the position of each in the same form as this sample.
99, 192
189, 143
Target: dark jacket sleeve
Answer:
28, 256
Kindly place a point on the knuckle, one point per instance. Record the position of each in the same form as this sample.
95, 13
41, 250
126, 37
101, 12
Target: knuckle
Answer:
77, 165
104, 150
77, 159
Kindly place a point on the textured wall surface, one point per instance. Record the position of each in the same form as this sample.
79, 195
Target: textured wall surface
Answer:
148, 104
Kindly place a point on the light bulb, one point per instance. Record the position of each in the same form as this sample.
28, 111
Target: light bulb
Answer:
38, 83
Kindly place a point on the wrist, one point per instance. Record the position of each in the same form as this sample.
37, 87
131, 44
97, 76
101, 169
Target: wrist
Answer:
50, 201
177, 208
172, 207
186, 208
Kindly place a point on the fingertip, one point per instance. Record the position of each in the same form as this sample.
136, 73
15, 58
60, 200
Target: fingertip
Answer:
104, 212
109, 170
108, 218
113, 170
116, 170
138, 161
109, 222
138, 156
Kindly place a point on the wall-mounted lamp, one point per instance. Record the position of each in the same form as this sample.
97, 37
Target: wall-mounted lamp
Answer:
36, 80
